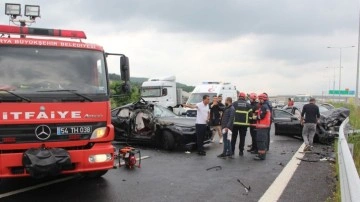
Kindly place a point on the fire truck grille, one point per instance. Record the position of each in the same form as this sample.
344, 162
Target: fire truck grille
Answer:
31, 133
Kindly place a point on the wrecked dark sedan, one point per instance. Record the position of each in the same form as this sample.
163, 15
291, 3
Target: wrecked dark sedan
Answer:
287, 122
143, 122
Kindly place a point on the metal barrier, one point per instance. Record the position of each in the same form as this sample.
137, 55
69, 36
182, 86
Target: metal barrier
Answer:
349, 177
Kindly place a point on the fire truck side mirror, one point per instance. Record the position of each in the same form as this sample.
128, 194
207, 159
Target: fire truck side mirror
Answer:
125, 87
124, 68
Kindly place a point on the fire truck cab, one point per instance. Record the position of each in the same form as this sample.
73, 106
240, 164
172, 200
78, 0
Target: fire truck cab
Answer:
54, 103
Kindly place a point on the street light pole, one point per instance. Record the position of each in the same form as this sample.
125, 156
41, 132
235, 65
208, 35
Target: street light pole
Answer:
357, 68
340, 49
340, 74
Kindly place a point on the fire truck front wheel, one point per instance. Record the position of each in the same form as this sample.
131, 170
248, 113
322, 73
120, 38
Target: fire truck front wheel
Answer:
95, 174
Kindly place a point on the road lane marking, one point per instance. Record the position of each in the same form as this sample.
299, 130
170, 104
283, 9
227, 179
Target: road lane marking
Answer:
26, 189
274, 192
35, 187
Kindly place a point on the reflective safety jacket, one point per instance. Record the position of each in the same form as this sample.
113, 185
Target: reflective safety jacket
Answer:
264, 117
243, 112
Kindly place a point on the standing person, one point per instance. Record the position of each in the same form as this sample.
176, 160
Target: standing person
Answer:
202, 118
227, 126
290, 102
241, 122
262, 127
216, 109
255, 107
269, 104
312, 114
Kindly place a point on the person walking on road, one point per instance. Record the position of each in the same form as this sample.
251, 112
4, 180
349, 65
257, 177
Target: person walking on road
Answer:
216, 109
255, 107
202, 118
227, 127
262, 127
309, 118
243, 111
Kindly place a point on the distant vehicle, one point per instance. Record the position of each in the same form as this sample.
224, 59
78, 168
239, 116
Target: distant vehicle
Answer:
302, 98
211, 89
162, 91
287, 122
145, 122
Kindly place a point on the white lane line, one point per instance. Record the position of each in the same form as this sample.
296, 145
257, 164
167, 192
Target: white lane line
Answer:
142, 158
35, 187
274, 192
48, 183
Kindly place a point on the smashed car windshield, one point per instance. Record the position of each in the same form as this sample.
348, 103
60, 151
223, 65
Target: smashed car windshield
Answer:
162, 112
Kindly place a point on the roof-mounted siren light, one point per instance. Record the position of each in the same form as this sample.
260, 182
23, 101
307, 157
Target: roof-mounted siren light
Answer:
32, 11
7, 29
12, 10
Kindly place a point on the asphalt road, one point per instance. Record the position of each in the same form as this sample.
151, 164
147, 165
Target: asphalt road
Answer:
168, 176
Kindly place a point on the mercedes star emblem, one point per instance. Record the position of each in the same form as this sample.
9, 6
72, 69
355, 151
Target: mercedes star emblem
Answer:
43, 132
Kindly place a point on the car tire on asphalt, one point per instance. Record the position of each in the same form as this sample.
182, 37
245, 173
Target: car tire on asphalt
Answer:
167, 140
95, 174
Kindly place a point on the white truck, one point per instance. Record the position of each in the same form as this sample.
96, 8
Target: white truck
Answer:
162, 91
210, 88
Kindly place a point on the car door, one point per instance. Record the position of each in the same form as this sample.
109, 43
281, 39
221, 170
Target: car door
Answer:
286, 123
120, 119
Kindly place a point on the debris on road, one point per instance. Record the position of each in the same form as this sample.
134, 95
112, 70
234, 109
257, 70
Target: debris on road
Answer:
247, 189
217, 168
307, 160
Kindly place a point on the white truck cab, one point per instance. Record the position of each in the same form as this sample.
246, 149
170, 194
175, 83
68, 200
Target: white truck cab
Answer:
162, 91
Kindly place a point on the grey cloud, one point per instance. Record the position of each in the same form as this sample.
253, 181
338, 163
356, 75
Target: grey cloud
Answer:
224, 19
217, 19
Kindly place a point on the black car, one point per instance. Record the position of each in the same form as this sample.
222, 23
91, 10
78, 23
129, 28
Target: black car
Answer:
287, 122
143, 122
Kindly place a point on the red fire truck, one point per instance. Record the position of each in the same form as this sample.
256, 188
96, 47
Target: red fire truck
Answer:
54, 103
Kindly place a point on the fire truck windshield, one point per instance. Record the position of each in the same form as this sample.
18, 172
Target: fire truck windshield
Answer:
35, 70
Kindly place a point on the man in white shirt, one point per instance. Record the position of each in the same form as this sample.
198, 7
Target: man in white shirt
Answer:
202, 118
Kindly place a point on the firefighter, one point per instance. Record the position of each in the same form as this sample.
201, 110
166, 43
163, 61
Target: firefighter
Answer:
262, 127
255, 107
243, 111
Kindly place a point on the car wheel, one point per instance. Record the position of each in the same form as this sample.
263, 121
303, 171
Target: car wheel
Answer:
95, 174
168, 141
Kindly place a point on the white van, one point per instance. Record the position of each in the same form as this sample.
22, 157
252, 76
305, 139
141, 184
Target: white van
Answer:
210, 88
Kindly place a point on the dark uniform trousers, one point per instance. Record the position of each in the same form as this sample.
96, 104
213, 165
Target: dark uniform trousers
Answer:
238, 130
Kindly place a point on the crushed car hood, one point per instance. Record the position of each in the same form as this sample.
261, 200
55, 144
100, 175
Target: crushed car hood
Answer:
334, 116
179, 121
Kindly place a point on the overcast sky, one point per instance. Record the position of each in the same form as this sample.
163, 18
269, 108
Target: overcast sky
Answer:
277, 46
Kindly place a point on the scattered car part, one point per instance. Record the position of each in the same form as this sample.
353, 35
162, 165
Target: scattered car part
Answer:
247, 189
217, 168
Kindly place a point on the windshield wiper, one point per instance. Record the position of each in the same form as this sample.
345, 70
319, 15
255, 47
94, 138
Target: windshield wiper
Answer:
16, 95
70, 91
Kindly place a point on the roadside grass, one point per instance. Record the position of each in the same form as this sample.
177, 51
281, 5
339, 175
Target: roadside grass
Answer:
353, 139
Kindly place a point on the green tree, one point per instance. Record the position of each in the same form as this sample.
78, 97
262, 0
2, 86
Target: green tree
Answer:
119, 98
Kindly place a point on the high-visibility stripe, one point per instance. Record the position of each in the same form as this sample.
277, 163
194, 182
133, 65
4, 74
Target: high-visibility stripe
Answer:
246, 123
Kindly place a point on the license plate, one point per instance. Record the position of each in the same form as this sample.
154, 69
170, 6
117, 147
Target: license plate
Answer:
67, 130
